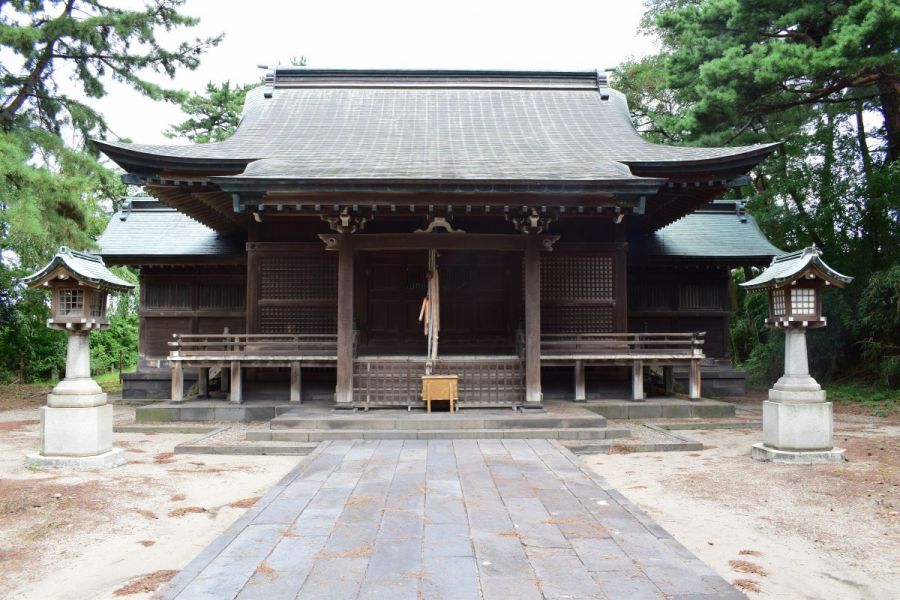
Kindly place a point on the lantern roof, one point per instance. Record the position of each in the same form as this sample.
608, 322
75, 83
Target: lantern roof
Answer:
87, 269
788, 268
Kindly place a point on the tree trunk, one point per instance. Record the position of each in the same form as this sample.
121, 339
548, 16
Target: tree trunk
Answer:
9, 110
861, 140
889, 89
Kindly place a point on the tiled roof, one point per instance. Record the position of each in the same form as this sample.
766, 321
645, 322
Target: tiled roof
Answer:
720, 231
146, 227
85, 267
788, 268
325, 125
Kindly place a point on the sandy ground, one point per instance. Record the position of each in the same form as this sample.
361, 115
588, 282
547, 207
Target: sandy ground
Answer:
779, 531
77, 535
822, 532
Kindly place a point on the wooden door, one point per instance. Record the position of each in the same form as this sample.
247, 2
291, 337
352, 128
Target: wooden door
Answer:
479, 304
390, 287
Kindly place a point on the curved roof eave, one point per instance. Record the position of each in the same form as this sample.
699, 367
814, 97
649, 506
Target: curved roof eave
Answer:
138, 158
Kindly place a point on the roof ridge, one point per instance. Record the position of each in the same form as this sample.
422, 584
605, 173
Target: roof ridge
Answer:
287, 77
80, 255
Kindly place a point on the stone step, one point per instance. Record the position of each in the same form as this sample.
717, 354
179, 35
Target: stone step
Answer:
318, 435
421, 422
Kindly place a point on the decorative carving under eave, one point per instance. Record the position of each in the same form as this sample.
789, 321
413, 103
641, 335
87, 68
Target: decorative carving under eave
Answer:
345, 222
547, 242
531, 223
332, 242
438, 222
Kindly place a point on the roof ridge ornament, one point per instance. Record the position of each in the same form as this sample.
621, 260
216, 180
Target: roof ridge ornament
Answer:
603, 84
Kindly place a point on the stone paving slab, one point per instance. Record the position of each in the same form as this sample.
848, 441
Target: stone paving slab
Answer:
445, 519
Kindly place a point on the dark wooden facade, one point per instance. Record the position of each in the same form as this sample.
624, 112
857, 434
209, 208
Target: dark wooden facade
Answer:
546, 210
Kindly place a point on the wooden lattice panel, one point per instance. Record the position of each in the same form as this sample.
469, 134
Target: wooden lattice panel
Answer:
577, 278
166, 295
312, 277
222, 296
298, 319
700, 296
577, 319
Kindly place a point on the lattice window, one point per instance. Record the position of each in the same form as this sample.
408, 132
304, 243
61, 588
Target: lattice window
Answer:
71, 303
166, 295
224, 296
700, 296
778, 303
312, 277
98, 304
577, 278
577, 319
293, 319
803, 301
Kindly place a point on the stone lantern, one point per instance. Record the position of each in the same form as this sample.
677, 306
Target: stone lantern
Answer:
76, 424
797, 420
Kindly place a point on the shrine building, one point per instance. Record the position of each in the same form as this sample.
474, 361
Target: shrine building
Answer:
364, 228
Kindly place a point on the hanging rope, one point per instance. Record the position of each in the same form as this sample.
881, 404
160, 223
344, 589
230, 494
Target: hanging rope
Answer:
430, 313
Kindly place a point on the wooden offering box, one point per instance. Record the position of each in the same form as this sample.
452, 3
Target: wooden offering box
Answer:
440, 387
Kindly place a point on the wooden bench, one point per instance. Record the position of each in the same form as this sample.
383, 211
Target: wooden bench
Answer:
635, 350
233, 352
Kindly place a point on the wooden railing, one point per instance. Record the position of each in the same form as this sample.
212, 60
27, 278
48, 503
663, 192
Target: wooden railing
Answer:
637, 345
237, 346
483, 381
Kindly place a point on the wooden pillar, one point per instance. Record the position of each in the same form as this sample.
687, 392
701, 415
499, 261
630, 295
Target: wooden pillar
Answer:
224, 379
669, 379
533, 323
295, 382
579, 382
237, 392
343, 393
694, 381
177, 381
637, 381
203, 382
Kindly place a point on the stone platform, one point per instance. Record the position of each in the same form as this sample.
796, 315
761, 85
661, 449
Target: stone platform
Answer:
462, 519
266, 410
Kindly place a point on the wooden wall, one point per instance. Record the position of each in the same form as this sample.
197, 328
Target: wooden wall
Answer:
291, 288
192, 299
583, 289
681, 299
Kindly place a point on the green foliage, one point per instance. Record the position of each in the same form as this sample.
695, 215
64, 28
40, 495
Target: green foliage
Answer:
89, 43
881, 401
58, 55
880, 324
814, 76
44, 207
28, 348
213, 115
120, 341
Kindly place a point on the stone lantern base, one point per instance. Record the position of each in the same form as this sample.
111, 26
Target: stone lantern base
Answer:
764, 453
77, 438
797, 432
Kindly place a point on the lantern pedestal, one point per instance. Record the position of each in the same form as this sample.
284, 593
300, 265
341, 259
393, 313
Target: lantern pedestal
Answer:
77, 438
77, 423
797, 421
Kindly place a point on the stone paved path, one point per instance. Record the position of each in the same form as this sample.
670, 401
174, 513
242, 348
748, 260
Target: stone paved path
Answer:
442, 519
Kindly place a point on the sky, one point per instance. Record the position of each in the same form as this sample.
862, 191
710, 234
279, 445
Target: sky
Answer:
506, 34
